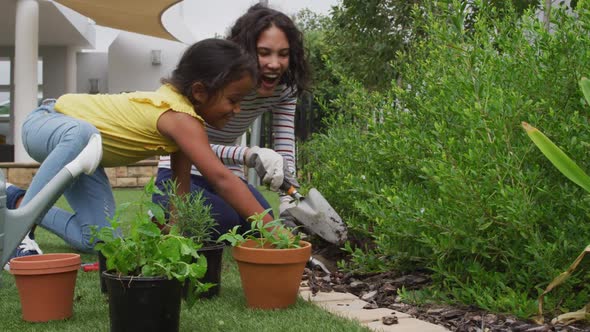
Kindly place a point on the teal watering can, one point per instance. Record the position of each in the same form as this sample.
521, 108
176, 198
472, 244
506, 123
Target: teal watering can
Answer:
14, 224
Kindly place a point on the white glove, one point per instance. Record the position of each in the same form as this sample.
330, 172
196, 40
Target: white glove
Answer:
268, 164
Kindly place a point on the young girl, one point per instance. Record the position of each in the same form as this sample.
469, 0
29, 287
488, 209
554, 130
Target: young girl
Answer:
276, 42
211, 79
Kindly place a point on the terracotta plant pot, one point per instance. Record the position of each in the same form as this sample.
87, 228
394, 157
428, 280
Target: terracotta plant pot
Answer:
46, 285
271, 277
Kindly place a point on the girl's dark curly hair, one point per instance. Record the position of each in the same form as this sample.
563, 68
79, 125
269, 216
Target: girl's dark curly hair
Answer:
214, 63
257, 19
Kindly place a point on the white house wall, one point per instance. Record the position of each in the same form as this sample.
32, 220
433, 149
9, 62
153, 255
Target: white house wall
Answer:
54, 68
130, 63
92, 65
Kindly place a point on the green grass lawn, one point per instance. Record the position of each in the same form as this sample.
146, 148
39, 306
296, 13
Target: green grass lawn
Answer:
227, 312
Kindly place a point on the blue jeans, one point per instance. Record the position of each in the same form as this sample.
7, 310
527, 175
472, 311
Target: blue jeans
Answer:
225, 216
54, 139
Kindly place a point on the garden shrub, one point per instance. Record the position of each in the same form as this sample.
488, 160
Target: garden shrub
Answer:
438, 173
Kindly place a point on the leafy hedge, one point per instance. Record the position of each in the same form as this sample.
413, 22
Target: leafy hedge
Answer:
439, 173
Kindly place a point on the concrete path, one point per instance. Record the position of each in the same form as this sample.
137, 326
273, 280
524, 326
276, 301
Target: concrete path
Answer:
349, 306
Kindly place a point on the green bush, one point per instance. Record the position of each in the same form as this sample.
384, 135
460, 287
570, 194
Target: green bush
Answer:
439, 174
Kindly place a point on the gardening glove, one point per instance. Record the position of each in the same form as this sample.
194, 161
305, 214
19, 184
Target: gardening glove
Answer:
268, 164
289, 175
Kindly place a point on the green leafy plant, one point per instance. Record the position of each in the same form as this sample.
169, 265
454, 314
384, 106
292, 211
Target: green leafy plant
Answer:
573, 172
448, 182
363, 261
146, 251
190, 214
270, 235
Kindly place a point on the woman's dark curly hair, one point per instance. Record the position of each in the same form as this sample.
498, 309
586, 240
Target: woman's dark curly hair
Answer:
214, 63
259, 18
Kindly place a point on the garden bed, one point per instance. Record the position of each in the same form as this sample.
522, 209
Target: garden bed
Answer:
380, 290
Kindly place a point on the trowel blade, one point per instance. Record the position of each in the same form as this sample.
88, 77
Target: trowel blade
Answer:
318, 216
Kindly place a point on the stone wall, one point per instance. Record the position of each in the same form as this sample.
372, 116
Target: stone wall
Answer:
132, 176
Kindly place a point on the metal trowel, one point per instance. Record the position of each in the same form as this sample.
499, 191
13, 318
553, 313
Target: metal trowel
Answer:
317, 215
312, 211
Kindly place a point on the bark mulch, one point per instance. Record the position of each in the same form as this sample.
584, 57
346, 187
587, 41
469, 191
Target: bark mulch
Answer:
380, 291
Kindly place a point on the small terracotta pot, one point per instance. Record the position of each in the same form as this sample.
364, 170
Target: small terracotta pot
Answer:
271, 277
46, 285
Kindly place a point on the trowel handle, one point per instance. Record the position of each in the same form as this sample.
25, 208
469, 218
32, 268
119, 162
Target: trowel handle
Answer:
290, 190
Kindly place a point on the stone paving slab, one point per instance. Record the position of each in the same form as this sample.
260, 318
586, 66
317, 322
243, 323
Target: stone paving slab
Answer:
407, 325
362, 315
327, 297
358, 305
350, 306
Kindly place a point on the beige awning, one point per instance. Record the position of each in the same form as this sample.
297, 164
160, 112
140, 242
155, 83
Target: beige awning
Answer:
139, 16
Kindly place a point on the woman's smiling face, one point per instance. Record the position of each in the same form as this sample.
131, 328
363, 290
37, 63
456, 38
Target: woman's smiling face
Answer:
273, 51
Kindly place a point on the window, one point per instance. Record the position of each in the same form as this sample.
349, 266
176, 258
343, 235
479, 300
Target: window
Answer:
6, 97
5, 86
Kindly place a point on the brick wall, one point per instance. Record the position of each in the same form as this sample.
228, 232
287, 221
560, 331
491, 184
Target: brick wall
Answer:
132, 176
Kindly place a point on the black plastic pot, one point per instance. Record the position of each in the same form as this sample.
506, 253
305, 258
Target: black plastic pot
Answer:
143, 303
214, 254
102, 266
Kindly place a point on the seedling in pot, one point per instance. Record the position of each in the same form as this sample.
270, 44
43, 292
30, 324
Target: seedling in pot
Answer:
274, 234
146, 251
190, 214
271, 261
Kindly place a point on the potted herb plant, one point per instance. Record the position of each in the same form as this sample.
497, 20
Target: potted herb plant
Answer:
270, 260
145, 269
192, 216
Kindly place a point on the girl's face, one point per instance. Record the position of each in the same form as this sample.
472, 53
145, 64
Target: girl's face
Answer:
272, 48
219, 108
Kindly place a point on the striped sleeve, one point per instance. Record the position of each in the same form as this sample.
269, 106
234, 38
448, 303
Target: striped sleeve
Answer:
230, 155
236, 168
283, 127
164, 162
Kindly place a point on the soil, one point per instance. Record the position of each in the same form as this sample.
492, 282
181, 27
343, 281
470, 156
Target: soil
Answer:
380, 291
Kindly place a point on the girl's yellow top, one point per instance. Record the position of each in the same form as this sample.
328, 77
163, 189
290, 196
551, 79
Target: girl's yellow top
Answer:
128, 121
